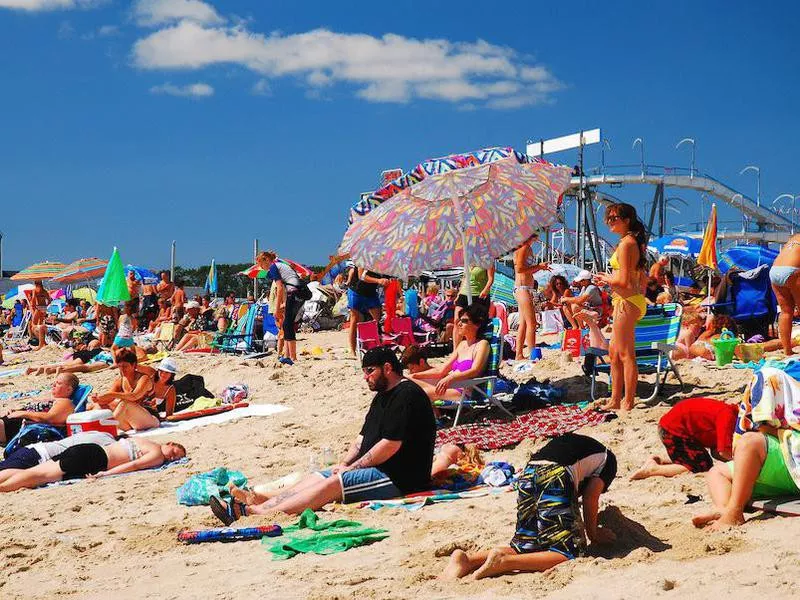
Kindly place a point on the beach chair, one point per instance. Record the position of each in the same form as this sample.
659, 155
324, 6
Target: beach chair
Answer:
656, 334
80, 398
403, 328
18, 333
368, 337
241, 338
749, 300
479, 392
165, 337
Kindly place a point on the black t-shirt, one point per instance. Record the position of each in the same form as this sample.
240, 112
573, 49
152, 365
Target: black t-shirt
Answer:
585, 457
403, 414
362, 288
86, 355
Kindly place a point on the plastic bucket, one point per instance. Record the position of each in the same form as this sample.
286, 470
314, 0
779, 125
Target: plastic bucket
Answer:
751, 352
724, 347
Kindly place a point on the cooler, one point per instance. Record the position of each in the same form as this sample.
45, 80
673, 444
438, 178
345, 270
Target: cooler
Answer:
92, 420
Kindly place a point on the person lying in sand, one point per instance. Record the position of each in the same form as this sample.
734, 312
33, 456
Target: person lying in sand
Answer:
548, 526
392, 455
63, 387
27, 457
686, 431
92, 461
130, 394
87, 358
758, 470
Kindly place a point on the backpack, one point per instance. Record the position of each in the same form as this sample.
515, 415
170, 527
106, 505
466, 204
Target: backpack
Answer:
303, 291
32, 434
188, 389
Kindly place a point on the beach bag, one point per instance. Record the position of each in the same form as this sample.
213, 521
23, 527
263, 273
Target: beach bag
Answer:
303, 291
575, 341
188, 389
235, 393
33, 434
198, 489
552, 321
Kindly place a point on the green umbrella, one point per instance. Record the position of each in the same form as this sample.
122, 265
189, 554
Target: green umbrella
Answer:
113, 288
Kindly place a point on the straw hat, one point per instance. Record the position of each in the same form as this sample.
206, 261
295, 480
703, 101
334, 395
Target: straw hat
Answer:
191, 304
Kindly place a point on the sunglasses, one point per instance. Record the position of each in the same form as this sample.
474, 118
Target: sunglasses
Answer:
464, 321
612, 219
370, 370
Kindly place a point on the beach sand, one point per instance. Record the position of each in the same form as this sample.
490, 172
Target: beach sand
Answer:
116, 538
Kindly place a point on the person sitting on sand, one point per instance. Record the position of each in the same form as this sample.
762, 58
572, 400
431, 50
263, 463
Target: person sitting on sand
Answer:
704, 347
687, 430
63, 388
548, 527
468, 360
392, 455
93, 461
27, 457
163, 398
191, 331
164, 314
107, 317
129, 393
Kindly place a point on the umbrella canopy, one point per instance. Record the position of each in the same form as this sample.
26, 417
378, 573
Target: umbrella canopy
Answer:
82, 270
256, 272
85, 293
146, 276
682, 246
708, 252
746, 257
211, 279
40, 270
113, 288
566, 270
16, 293
463, 211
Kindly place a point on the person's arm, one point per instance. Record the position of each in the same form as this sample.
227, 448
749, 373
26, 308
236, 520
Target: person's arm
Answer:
148, 460
143, 386
57, 415
352, 453
591, 502
363, 276
377, 455
169, 401
574, 299
489, 282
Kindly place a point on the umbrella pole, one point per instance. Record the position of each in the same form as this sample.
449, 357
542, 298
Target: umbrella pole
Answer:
463, 226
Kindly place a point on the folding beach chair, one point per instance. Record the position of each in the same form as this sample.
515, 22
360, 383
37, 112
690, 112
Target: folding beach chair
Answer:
403, 328
368, 337
80, 398
241, 338
656, 335
166, 335
18, 333
479, 392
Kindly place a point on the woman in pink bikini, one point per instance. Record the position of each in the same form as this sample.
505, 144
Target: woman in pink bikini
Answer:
467, 361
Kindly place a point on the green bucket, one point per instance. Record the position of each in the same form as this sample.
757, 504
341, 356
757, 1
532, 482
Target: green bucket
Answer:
724, 346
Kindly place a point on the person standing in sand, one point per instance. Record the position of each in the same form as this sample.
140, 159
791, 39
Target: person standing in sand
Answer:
548, 529
785, 278
134, 285
165, 288
629, 304
40, 300
524, 290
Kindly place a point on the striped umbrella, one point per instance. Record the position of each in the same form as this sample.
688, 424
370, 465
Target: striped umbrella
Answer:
81, 270
39, 271
256, 272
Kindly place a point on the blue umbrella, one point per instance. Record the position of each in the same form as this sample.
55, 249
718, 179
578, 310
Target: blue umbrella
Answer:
746, 257
146, 276
566, 270
683, 246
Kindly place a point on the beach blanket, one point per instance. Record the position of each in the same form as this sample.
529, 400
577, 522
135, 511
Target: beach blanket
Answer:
773, 398
311, 535
415, 502
198, 489
164, 467
11, 372
545, 422
19, 395
254, 410
791, 366
228, 534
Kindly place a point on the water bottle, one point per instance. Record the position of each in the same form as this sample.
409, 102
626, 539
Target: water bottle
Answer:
313, 465
327, 457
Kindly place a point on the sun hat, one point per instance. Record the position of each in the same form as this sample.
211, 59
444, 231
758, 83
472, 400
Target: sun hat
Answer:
191, 304
583, 276
168, 366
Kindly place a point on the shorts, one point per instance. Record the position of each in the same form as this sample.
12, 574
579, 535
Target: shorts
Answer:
463, 301
547, 512
81, 460
362, 304
23, 458
774, 478
686, 452
361, 485
121, 342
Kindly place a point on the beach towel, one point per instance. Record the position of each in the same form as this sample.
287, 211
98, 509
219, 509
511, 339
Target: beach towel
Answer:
790, 366
415, 502
545, 422
11, 373
311, 535
165, 466
254, 410
198, 489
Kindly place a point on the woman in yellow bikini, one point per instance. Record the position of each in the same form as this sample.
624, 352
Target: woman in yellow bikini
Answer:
630, 305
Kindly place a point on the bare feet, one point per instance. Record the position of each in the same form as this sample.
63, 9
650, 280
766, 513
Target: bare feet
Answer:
727, 521
703, 520
244, 496
457, 567
647, 469
493, 565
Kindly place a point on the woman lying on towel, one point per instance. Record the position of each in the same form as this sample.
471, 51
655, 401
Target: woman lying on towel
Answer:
92, 461
467, 361
131, 394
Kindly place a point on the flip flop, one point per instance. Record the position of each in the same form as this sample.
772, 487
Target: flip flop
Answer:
226, 512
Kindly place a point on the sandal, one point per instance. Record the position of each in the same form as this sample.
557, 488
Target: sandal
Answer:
227, 512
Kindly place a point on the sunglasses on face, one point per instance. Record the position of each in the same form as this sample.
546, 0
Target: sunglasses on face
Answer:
464, 322
369, 370
612, 219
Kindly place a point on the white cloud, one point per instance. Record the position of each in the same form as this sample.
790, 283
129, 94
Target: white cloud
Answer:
107, 31
43, 5
196, 90
162, 12
391, 68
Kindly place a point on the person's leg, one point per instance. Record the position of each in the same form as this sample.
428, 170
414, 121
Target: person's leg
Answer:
504, 560
719, 481
786, 302
596, 337
462, 563
352, 331
748, 459
256, 497
41, 331
313, 496
134, 416
624, 335
448, 455
30, 478
652, 468
617, 369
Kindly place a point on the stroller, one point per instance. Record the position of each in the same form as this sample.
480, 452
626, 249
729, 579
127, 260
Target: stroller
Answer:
747, 297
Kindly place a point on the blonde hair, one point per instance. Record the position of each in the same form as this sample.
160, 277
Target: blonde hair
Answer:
433, 289
266, 255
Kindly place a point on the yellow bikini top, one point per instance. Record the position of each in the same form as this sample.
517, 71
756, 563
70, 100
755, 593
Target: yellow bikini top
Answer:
613, 262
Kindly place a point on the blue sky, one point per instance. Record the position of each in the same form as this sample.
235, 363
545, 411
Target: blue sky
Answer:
211, 123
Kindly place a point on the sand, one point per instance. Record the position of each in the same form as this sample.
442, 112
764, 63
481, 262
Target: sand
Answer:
117, 537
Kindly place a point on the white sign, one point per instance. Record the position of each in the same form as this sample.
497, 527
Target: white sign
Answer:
566, 142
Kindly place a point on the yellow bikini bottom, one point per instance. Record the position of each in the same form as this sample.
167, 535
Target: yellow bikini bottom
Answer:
638, 300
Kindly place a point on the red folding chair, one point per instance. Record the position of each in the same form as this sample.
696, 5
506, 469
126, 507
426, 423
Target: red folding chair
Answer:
367, 337
403, 328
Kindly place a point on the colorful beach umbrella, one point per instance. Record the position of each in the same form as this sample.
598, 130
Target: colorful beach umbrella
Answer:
211, 279
465, 211
146, 276
708, 252
82, 270
15, 293
682, 246
41, 270
113, 288
85, 293
746, 257
566, 270
256, 272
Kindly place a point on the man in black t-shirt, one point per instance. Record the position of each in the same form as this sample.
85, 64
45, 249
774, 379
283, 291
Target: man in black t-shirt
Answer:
391, 456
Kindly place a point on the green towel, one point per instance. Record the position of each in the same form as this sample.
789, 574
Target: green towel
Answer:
349, 534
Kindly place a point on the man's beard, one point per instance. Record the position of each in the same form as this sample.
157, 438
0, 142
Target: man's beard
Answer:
379, 385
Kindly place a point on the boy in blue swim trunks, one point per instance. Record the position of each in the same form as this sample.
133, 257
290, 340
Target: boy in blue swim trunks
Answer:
549, 528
